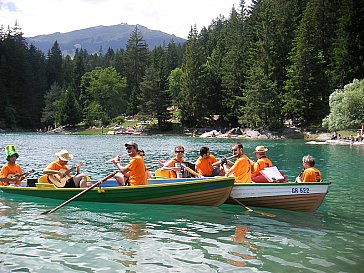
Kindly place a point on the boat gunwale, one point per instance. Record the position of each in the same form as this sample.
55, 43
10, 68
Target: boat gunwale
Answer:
52, 187
285, 184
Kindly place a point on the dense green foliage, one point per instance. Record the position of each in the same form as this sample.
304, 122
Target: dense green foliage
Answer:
266, 64
346, 107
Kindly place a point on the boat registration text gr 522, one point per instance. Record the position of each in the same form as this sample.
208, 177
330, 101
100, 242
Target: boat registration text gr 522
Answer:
301, 190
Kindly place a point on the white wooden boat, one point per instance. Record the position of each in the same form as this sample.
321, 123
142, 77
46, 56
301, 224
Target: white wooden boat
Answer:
290, 196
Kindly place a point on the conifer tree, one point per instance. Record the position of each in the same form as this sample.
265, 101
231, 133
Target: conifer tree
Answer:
54, 65
193, 97
136, 60
155, 96
306, 98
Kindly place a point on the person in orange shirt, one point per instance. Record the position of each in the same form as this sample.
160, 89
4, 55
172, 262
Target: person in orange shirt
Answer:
142, 154
60, 169
207, 164
262, 162
11, 172
135, 172
309, 173
175, 164
242, 166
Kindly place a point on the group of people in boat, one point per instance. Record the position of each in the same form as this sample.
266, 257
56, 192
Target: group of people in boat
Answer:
244, 169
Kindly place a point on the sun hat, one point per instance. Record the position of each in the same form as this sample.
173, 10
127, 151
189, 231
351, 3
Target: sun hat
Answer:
260, 149
10, 150
131, 143
64, 155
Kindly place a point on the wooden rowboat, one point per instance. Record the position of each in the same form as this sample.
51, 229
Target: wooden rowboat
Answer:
193, 191
290, 196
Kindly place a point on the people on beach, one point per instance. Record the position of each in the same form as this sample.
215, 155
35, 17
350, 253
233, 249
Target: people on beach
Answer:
262, 162
59, 173
175, 165
207, 164
11, 172
135, 172
242, 166
309, 172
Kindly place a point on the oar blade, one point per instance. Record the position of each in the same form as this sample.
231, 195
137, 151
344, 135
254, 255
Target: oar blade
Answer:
251, 210
80, 193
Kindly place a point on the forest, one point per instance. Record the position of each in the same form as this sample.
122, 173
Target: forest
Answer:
273, 63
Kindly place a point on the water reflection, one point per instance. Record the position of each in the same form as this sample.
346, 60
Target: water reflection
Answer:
240, 236
134, 231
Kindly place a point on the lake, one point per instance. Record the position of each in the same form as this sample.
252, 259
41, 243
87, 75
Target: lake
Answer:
87, 237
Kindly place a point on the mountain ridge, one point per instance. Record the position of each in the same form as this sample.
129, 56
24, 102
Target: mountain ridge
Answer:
100, 37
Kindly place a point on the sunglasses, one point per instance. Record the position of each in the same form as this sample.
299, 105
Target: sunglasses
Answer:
234, 150
129, 148
179, 152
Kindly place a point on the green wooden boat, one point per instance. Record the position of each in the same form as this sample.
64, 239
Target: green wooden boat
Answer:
189, 191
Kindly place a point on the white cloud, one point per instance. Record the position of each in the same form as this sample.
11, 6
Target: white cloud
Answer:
37, 17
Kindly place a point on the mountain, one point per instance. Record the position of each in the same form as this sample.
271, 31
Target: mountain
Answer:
101, 37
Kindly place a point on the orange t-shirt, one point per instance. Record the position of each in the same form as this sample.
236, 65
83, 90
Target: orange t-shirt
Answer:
10, 169
242, 170
311, 175
204, 166
261, 164
56, 166
137, 173
172, 163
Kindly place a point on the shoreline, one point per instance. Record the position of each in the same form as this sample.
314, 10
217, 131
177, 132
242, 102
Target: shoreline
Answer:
336, 142
244, 134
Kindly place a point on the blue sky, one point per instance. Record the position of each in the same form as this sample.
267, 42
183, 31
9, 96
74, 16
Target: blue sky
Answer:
36, 17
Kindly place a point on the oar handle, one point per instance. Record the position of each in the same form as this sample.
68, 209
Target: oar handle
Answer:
191, 171
80, 193
227, 158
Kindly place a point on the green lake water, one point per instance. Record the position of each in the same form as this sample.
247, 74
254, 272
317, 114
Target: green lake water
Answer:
88, 237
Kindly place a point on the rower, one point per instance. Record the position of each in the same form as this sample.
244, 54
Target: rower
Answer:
135, 172
175, 164
241, 168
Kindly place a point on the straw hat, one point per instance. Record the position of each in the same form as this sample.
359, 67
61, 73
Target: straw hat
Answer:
10, 150
64, 155
260, 149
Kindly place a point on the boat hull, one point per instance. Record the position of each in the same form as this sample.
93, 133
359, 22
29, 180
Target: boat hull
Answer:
290, 196
200, 192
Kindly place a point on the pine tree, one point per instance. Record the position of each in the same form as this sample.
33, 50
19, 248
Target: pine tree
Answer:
54, 65
193, 99
68, 111
155, 96
306, 98
136, 60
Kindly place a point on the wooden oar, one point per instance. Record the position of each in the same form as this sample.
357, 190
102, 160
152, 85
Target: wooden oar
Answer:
79, 194
232, 198
191, 171
249, 209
